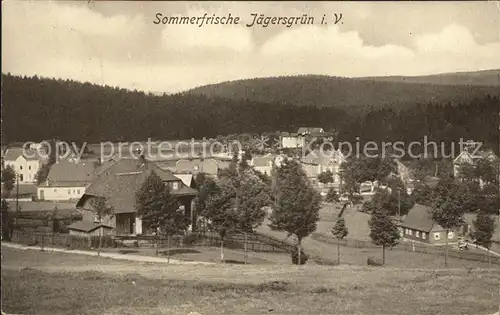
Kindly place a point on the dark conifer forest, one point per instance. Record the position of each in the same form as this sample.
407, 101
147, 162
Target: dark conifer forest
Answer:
35, 109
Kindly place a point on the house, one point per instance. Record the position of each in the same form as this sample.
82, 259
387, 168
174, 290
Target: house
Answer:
312, 171
419, 226
68, 179
25, 163
403, 171
118, 185
263, 164
291, 140
468, 156
86, 228
300, 138
194, 165
327, 161
187, 179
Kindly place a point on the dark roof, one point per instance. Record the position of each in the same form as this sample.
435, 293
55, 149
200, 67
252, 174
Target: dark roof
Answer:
184, 191
27, 189
131, 165
120, 182
419, 218
13, 153
86, 226
66, 173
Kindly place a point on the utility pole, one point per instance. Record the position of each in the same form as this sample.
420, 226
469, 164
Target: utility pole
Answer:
17, 200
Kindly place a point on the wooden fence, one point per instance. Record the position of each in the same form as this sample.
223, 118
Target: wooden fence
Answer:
255, 242
414, 247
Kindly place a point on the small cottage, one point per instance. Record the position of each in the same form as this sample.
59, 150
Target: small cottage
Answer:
419, 226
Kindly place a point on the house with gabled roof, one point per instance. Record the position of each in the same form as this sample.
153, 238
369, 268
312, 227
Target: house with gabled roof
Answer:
419, 226
118, 184
68, 180
300, 138
330, 160
25, 163
469, 157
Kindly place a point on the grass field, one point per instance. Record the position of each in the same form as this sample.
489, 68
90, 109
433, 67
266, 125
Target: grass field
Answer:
36, 282
209, 254
357, 224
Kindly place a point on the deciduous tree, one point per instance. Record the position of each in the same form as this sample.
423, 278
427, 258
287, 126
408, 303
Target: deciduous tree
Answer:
325, 177
158, 209
8, 180
484, 227
383, 231
297, 208
339, 231
448, 207
42, 173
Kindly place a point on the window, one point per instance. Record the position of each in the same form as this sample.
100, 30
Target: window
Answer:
78, 191
175, 186
410, 232
29, 167
406, 231
424, 236
451, 235
437, 236
69, 191
21, 167
417, 234
21, 177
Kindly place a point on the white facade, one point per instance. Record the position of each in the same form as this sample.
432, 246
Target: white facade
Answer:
25, 168
60, 193
292, 142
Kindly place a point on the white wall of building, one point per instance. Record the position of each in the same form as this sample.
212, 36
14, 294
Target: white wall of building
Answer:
292, 142
26, 169
60, 193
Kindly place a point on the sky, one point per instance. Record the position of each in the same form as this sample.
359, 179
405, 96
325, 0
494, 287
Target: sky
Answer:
118, 44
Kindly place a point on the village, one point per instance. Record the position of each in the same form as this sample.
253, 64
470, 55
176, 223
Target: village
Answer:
58, 197
258, 157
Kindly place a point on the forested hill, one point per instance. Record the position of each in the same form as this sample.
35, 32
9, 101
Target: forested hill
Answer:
350, 93
38, 108
35, 109
474, 78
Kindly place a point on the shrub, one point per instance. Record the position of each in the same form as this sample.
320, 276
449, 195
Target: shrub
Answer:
374, 262
295, 256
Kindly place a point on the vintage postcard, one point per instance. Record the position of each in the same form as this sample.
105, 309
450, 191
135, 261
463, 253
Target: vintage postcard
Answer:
274, 157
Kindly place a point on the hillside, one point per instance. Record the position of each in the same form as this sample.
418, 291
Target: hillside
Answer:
35, 109
354, 93
475, 78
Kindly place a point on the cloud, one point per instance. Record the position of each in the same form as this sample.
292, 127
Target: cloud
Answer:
181, 37
329, 41
454, 48
453, 38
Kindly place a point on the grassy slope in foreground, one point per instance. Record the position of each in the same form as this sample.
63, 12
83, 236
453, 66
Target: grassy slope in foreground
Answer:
54, 283
318, 90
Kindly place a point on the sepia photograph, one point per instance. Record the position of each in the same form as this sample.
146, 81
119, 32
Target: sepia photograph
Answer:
250, 157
